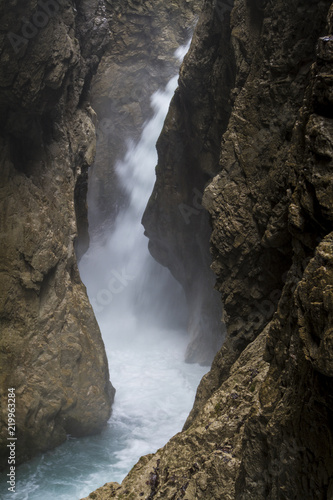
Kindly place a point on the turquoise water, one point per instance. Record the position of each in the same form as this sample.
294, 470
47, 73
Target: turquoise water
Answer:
155, 391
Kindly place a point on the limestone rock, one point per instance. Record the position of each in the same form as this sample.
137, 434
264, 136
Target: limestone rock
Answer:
261, 425
51, 349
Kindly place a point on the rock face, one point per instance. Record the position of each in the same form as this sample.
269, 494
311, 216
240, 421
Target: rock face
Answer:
261, 426
188, 148
51, 349
138, 61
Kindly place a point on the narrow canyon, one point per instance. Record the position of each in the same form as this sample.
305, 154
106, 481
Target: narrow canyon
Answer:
238, 220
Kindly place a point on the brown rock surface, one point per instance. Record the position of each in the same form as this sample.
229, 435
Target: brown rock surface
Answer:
51, 349
261, 426
188, 148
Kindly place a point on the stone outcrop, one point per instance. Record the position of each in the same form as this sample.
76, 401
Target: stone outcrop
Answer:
261, 425
51, 349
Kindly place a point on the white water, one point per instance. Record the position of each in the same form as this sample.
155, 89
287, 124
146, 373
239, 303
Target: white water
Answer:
142, 314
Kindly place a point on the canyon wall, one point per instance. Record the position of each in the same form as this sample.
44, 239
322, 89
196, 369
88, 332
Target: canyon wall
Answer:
261, 425
188, 150
138, 61
51, 351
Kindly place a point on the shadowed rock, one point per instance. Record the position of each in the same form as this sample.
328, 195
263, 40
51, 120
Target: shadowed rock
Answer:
51, 349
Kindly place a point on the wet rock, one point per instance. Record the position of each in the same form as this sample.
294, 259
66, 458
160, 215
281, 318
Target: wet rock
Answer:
51, 349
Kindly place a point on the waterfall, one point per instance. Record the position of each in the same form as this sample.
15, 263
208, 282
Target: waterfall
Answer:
128, 290
141, 311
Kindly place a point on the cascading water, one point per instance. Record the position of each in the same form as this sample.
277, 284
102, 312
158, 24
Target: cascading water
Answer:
142, 313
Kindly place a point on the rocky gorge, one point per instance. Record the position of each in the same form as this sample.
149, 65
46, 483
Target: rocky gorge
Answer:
251, 124
57, 59
243, 184
139, 60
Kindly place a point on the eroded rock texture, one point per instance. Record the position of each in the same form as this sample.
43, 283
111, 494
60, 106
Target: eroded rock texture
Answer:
51, 349
261, 426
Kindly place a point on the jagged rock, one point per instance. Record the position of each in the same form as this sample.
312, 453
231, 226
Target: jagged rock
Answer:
175, 222
51, 349
261, 425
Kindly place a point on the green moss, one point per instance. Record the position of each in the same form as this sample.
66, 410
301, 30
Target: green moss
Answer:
218, 408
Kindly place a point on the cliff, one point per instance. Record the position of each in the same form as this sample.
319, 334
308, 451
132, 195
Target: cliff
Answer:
51, 349
254, 108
